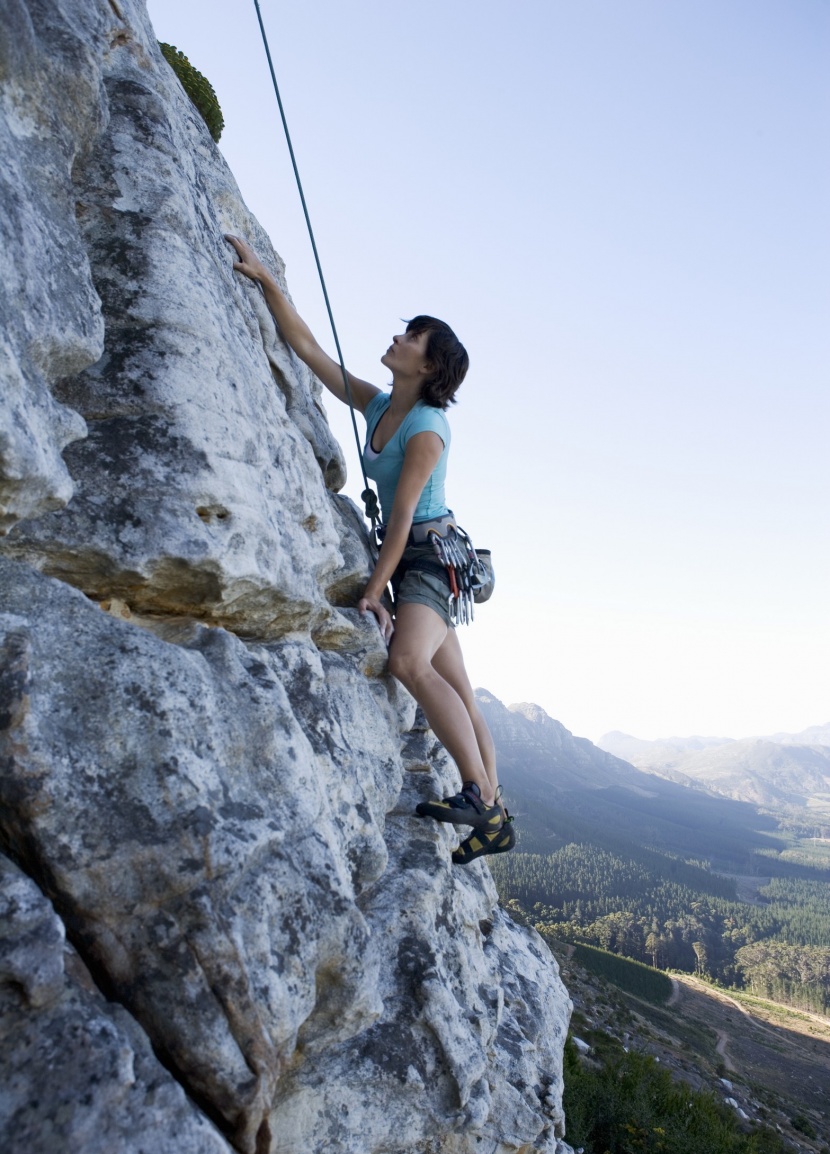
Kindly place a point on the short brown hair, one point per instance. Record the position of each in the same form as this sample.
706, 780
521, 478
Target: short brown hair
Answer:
448, 356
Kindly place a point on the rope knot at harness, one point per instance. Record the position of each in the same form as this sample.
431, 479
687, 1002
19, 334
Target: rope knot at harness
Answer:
370, 504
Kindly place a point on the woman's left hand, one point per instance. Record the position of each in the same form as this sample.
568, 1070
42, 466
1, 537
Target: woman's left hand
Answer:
385, 622
249, 263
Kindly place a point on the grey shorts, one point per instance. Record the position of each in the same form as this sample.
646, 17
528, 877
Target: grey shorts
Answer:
415, 586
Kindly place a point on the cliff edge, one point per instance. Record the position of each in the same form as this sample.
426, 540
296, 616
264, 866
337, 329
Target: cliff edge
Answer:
222, 926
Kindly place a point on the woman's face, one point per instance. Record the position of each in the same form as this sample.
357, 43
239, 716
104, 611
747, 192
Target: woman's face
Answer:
407, 354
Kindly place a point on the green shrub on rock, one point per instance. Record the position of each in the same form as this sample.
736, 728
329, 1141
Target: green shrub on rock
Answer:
803, 1125
627, 1104
197, 87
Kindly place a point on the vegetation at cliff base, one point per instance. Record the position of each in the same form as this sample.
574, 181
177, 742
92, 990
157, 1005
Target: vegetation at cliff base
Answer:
627, 1104
197, 87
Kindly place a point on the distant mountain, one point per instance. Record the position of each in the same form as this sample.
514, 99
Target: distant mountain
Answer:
536, 750
814, 735
783, 771
661, 752
566, 789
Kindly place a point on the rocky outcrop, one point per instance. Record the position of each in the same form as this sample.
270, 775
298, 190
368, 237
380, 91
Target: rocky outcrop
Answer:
78, 1073
207, 778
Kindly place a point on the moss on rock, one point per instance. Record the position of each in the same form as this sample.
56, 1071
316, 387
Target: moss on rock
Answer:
197, 87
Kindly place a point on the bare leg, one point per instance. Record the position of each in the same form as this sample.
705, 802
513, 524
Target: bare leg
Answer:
449, 662
419, 635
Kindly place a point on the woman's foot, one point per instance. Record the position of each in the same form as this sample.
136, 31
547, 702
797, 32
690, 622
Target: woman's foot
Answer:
480, 843
464, 808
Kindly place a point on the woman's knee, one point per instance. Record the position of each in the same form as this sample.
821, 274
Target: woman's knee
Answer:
402, 665
411, 669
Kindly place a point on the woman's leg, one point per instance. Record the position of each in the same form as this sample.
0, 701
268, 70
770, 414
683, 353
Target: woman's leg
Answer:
420, 635
449, 662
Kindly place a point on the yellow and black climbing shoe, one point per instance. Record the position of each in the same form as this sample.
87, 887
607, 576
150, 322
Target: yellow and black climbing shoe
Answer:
480, 843
465, 808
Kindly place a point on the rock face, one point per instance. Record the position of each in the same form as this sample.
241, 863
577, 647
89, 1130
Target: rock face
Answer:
69, 1046
53, 109
207, 778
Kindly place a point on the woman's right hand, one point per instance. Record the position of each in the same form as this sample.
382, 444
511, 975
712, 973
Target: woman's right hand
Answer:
296, 332
249, 263
385, 622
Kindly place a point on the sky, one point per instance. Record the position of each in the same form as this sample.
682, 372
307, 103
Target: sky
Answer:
621, 207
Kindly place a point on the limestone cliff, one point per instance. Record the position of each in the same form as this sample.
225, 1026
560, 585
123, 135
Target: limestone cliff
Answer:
222, 925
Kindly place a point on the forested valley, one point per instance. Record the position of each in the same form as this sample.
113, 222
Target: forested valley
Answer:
659, 872
678, 915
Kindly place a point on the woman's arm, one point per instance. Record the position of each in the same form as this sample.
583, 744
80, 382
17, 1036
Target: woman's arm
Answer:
423, 452
296, 332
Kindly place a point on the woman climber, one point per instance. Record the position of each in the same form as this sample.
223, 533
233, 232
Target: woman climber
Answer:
407, 444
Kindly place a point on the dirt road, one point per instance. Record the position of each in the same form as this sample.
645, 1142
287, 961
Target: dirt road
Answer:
778, 1050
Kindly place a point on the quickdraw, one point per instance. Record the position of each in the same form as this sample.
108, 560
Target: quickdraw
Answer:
471, 576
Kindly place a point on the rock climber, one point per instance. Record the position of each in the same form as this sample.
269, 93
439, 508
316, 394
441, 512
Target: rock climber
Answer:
406, 450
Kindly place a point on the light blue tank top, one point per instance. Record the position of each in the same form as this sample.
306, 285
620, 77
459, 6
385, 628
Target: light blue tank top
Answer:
385, 467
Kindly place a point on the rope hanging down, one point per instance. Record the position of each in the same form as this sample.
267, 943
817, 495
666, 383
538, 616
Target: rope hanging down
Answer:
368, 496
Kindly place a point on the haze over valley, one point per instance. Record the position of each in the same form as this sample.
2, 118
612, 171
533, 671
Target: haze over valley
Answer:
784, 771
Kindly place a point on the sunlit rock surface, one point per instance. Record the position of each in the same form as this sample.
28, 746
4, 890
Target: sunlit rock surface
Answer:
206, 775
53, 108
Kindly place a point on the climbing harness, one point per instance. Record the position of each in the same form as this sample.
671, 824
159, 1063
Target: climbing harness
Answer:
368, 496
469, 571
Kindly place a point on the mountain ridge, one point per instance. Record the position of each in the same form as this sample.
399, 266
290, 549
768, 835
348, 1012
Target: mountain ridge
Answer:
564, 788
778, 772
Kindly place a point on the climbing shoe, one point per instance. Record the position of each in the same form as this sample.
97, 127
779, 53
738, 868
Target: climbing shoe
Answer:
481, 842
465, 808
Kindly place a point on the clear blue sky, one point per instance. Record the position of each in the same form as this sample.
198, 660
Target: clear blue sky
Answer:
622, 209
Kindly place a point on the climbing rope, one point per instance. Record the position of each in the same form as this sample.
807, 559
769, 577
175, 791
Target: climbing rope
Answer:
368, 496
